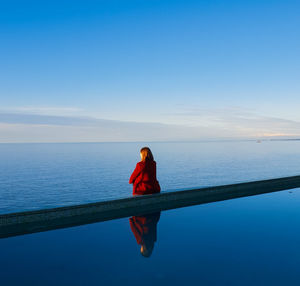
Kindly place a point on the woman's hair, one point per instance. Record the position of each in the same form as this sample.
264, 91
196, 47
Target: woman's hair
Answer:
146, 154
147, 249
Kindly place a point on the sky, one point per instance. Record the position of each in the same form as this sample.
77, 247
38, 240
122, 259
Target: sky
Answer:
148, 70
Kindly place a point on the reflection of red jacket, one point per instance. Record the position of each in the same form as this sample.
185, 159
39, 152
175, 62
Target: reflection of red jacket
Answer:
144, 228
144, 179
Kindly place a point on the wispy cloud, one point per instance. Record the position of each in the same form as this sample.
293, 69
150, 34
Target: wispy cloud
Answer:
245, 121
38, 119
46, 128
43, 110
207, 124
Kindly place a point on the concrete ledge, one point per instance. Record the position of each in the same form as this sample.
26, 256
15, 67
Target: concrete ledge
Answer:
36, 221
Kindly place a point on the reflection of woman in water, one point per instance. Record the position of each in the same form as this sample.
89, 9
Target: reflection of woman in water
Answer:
144, 230
143, 177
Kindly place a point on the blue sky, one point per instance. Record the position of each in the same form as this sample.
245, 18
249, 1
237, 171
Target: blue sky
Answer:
199, 69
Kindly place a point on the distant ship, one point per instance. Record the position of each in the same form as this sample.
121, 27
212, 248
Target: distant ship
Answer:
258, 141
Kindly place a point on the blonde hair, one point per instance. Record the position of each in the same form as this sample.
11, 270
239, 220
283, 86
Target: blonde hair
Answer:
146, 154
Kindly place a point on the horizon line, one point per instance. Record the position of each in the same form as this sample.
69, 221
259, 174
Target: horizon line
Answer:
160, 141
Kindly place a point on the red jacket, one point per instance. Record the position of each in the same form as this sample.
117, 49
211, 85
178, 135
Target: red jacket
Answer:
144, 179
144, 228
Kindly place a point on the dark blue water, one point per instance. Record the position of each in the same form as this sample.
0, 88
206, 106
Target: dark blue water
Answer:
35, 176
247, 241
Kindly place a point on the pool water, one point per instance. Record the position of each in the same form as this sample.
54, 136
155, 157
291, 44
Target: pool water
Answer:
246, 241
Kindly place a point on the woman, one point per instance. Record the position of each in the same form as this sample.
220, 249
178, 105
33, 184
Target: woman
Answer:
144, 229
143, 177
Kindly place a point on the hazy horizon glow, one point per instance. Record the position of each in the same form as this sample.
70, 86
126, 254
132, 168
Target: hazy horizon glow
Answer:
183, 69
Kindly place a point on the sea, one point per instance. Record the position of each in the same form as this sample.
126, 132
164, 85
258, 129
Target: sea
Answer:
40, 175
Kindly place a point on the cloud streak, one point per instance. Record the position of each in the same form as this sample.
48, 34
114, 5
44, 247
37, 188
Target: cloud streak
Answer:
246, 122
45, 128
208, 124
42, 110
37, 119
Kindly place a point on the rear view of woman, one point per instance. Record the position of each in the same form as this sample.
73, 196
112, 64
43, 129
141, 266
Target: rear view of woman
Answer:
143, 177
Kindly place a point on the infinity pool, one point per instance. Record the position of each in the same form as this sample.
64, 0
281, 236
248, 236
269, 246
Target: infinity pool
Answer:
246, 241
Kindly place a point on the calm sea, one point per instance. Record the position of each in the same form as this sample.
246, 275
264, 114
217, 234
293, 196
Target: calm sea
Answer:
35, 176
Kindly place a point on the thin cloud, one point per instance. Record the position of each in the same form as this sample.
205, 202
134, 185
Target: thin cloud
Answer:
37, 119
39, 128
43, 110
212, 124
244, 121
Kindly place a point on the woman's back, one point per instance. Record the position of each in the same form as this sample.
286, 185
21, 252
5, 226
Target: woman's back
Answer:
144, 178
